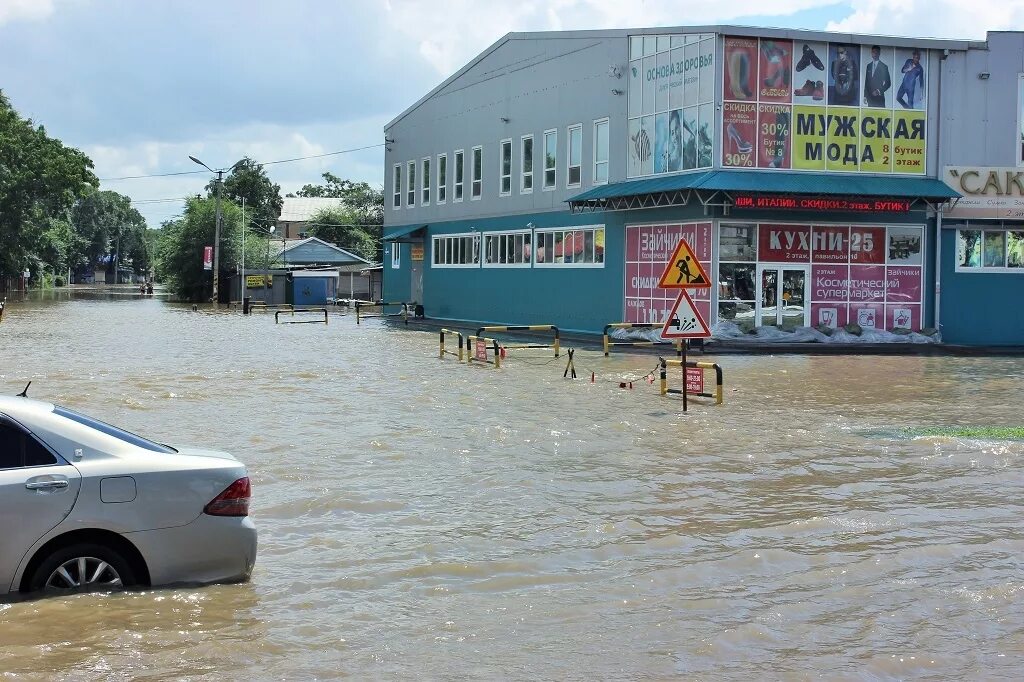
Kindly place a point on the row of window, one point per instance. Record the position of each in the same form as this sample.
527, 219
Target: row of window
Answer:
559, 247
978, 250
434, 187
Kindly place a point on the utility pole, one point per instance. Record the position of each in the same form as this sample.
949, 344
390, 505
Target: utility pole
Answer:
243, 252
216, 242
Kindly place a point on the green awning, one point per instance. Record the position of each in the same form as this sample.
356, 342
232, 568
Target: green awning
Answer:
773, 182
401, 232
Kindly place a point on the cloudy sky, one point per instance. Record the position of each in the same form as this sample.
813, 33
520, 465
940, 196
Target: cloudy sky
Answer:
141, 84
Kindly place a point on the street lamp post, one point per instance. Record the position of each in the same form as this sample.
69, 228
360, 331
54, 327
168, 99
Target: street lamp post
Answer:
216, 229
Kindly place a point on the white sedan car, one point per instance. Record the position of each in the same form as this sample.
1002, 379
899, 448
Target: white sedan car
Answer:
86, 506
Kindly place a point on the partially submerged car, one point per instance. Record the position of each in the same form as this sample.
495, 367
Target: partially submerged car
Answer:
88, 506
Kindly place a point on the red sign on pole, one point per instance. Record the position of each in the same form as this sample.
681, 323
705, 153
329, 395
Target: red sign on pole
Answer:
481, 350
207, 258
694, 380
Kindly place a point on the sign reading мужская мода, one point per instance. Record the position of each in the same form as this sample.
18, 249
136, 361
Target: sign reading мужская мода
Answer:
823, 106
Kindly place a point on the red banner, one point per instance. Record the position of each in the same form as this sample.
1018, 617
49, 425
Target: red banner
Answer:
207, 258
776, 70
739, 134
784, 243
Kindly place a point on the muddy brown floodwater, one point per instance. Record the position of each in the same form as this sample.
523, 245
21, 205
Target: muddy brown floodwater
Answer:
425, 519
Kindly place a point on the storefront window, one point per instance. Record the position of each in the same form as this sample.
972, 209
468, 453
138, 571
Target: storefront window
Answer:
737, 243
998, 248
736, 294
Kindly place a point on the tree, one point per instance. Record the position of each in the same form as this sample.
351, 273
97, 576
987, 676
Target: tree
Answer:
365, 204
40, 180
340, 226
108, 225
248, 180
182, 241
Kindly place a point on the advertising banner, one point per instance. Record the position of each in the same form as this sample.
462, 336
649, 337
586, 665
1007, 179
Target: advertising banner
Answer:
903, 316
741, 69
809, 135
739, 127
867, 315
851, 108
867, 244
833, 315
908, 142
207, 258
773, 127
903, 285
867, 282
831, 244
776, 63
784, 243
904, 246
842, 152
988, 192
843, 75
648, 249
876, 75
830, 283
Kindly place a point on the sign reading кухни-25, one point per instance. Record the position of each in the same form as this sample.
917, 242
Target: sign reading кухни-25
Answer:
823, 106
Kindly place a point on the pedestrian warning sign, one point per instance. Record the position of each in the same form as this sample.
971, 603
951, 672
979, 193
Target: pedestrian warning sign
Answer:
683, 270
684, 321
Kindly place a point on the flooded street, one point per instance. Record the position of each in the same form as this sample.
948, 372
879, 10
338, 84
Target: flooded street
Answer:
419, 518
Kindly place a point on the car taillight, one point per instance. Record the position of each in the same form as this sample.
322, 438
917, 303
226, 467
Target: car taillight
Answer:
234, 501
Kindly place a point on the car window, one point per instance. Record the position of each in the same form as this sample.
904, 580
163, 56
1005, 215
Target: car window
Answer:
19, 449
109, 430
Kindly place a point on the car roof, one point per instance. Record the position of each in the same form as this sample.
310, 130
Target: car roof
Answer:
20, 408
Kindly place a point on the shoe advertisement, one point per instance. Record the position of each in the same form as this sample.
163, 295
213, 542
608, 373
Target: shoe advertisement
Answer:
809, 73
741, 69
739, 133
773, 126
843, 75
775, 77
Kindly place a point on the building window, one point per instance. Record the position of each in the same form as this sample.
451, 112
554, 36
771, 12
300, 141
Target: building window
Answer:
478, 172
410, 195
506, 168
601, 152
457, 250
570, 246
442, 178
575, 167
460, 172
526, 162
990, 250
737, 273
396, 187
510, 249
396, 255
550, 158
425, 181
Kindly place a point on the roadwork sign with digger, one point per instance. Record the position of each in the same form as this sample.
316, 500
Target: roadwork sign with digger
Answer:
683, 270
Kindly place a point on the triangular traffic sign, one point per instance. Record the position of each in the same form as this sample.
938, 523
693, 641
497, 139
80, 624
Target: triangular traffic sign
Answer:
683, 270
685, 321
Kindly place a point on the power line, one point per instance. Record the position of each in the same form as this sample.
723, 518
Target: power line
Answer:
264, 163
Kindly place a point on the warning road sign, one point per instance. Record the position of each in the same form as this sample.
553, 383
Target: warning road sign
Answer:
685, 322
683, 270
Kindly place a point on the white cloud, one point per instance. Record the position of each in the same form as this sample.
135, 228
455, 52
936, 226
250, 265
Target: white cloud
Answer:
449, 34
262, 142
932, 18
13, 10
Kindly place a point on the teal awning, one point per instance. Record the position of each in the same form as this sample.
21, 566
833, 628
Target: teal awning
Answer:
675, 189
401, 232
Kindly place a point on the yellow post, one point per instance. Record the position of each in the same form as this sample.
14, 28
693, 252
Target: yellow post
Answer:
497, 356
557, 346
605, 341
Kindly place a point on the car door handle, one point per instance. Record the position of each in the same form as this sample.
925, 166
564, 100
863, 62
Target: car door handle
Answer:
46, 485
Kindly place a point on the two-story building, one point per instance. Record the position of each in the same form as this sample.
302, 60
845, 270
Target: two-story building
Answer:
549, 180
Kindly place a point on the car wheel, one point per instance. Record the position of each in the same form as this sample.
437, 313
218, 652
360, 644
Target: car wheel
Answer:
81, 568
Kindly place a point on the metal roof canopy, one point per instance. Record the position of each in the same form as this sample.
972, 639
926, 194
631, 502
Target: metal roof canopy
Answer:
716, 188
407, 235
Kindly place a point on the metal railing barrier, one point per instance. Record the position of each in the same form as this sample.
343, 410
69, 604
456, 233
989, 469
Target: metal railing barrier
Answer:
476, 350
608, 343
277, 313
692, 364
556, 343
382, 305
444, 352
266, 307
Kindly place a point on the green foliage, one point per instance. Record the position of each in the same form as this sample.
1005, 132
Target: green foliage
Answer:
340, 227
365, 206
107, 223
40, 180
180, 250
247, 180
